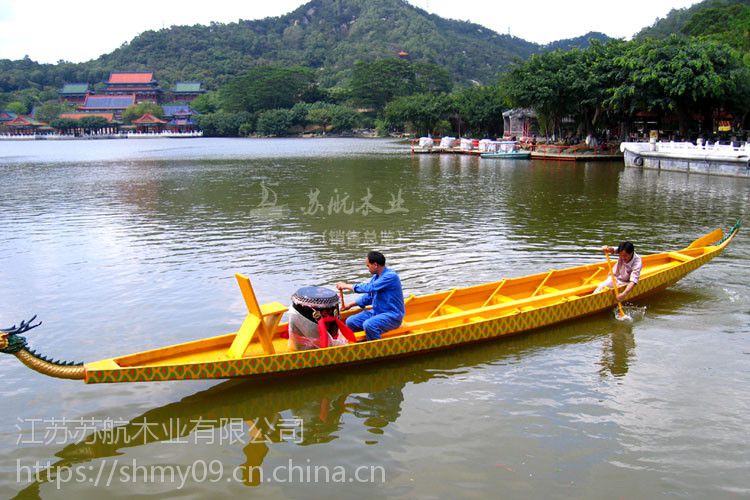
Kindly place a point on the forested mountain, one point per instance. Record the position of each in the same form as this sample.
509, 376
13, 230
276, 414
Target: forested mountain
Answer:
580, 42
327, 35
726, 21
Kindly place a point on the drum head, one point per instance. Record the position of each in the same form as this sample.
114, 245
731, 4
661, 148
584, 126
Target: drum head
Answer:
316, 297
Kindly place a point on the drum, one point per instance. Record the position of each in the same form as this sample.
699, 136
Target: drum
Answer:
310, 304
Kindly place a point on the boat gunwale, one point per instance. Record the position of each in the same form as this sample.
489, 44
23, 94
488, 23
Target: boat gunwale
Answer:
703, 255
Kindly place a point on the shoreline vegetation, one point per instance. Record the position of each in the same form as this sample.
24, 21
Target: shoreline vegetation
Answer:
683, 80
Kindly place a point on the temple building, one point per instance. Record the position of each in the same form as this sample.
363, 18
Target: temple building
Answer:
25, 125
110, 117
180, 117
141, 84
148, 123
114, 104
520, 124
186, 91
6, 116
74, 92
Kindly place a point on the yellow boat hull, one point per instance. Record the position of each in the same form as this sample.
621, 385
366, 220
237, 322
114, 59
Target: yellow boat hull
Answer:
434, 321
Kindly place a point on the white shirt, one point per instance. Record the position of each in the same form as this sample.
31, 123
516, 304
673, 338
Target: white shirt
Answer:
628, 271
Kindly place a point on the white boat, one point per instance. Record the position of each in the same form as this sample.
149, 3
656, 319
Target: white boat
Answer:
715, 159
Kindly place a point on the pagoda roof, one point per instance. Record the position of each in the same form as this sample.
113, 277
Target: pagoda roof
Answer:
147, 119
75, 88
77, 116
182, 121
135, 77
6, 116
177, 109
187, 87
24, 121
108, 101
131, 87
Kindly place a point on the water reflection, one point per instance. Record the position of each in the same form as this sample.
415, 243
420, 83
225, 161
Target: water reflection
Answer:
372, 394
618, 350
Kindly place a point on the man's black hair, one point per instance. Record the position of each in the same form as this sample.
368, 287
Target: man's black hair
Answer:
627, 246
376, 258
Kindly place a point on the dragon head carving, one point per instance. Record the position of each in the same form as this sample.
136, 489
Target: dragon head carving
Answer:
11, 340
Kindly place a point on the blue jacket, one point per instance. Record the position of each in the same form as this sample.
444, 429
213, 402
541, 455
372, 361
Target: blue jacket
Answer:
383, 292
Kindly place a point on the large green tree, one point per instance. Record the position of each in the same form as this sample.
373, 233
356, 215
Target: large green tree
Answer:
53, 109
275, 122
269, 87
547, 83
222, 124
480, 110
375, 83
679, 75
135, 111
420, 112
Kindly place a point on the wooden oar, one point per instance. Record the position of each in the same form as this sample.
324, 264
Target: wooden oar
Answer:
614, 284
341, 295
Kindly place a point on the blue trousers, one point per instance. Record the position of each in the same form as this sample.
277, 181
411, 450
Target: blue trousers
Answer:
373, 325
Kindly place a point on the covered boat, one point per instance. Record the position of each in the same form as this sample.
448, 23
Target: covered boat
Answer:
435, 321
505, 149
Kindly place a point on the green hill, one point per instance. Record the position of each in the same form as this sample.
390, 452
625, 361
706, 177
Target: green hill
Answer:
580, 42
327, 35
726, 21
330, 35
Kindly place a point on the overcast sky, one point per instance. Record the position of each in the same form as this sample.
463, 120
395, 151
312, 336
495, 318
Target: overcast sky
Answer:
80, 30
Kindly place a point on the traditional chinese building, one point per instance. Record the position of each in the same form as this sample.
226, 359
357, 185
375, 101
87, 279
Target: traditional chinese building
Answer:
110, 117
180, 117
24, 125
140, 84
114, 104
74, 92
6, 116
520, 123
112, 126
148, 123
186, 91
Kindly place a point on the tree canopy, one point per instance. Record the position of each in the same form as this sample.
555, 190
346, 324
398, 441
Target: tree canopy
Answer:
269, 87
135, 111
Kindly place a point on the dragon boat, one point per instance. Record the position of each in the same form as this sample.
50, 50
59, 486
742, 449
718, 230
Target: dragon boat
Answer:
261, 346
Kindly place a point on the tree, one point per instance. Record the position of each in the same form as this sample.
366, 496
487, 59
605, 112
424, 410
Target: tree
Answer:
480, 109
333, 117
222, 124
722, 23
431, 78
679, 75
50, 110
542, 84
206, 103
17, 107
423, 112
91, 123
135, 111
376, 83
65, 125
269, 87
573, 84
274, 122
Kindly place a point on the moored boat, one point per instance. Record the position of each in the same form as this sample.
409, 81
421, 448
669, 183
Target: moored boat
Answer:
506, 149
559, 152
711, 159
433, 321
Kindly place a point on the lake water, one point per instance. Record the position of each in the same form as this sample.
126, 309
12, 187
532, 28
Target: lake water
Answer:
125, 245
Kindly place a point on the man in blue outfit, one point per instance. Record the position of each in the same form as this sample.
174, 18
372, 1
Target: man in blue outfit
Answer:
383, 292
